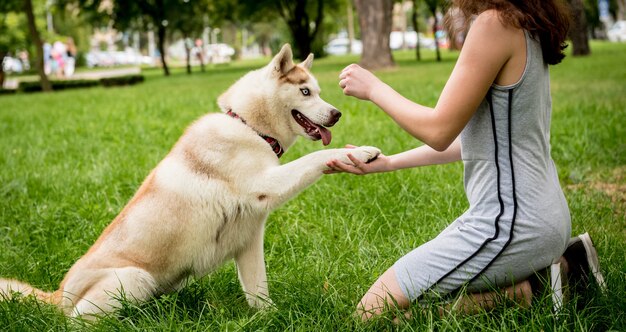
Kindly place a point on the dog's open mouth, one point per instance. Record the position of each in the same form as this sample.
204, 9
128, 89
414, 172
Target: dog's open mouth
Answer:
314, 130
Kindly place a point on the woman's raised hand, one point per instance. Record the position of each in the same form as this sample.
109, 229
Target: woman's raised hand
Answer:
358, 82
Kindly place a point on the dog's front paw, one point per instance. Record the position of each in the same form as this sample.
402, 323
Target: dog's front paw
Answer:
365, 153
261, 302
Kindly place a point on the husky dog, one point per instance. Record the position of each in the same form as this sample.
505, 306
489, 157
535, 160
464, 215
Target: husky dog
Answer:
207, 201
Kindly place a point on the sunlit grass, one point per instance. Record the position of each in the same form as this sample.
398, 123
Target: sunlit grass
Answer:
72, 159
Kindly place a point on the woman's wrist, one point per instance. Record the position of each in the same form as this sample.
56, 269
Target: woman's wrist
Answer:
390, 165
379, 90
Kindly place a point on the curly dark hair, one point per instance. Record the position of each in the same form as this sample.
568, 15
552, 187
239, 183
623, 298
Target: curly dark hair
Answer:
547, 20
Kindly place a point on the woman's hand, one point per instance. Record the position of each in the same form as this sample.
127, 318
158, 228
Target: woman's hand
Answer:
358, 82
380, 164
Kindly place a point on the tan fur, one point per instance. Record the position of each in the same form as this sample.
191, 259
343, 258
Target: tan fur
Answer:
297, 75
207, 201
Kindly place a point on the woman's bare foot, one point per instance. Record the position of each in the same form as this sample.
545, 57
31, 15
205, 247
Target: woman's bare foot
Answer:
473, 303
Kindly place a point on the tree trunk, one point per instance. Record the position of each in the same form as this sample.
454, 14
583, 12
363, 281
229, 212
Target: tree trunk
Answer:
302, 41
2, 55
416, 27
161, 45
187, 53
350, 25
578, 29
621, 10
34, 34
399, 12
375, 18
299, 24
435, 24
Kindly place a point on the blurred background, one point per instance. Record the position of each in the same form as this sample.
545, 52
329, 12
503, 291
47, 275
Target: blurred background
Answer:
62, 39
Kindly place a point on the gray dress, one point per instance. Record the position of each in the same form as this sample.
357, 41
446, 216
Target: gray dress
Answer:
518, 221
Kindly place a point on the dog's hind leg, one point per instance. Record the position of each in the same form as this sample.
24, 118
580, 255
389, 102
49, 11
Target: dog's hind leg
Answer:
252, 275
128, 283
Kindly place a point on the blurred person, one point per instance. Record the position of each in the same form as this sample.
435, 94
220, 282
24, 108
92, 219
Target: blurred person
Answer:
24, 59
47, 58
70, 58
59, 55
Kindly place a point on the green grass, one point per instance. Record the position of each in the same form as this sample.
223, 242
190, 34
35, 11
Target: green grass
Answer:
72, 159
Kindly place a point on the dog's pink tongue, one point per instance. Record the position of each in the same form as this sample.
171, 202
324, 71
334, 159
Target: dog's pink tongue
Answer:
326, 135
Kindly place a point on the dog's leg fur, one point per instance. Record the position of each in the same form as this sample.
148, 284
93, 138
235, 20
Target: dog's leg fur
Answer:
251, 269
276, 188
105, 287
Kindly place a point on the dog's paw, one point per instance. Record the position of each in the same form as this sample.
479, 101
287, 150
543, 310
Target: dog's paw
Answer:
261, 303
365, 153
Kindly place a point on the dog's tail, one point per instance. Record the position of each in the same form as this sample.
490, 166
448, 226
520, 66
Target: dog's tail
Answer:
9, 288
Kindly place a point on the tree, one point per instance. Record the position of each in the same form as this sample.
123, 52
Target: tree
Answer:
375, 19
189, 21
415, 23
302, 28
433, 6
11, 36
148, 14
303, 18
621, 9
350, 22
595, 23
26, 6
578, 30
264, 32
36, 39
592, 15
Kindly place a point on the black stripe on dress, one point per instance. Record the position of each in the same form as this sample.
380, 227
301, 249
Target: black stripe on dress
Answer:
514, 193
497, 219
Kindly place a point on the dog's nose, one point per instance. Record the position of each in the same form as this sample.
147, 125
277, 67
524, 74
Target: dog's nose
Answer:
334, 117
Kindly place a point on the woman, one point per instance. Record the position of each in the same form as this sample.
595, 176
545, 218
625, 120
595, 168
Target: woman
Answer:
494, 114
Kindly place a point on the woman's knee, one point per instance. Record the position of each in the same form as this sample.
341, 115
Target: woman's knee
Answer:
385, 293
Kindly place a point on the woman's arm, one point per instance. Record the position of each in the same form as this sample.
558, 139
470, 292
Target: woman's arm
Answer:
426, 156
421, 156
487, 48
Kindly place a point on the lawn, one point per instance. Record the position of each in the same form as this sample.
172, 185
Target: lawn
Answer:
72, 159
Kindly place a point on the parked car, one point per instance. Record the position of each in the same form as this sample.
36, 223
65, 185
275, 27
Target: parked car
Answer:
410, 39
116, 58
219, 53
99, 59
339, 46
12, 65
617, 33
213, 53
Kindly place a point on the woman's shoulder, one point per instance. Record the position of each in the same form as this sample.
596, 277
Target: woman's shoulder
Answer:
491, 26
496, 45
492, 20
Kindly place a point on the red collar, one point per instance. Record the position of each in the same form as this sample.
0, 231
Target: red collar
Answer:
274, 144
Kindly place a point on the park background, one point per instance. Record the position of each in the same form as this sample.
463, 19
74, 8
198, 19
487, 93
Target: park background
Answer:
72, 159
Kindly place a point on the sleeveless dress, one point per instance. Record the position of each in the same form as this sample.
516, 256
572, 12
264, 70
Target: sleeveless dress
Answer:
518, 221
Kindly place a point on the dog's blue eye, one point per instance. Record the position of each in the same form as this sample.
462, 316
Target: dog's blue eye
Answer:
305, 91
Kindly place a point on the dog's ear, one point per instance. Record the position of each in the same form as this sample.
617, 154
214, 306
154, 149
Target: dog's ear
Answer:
308, 62
283, 61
